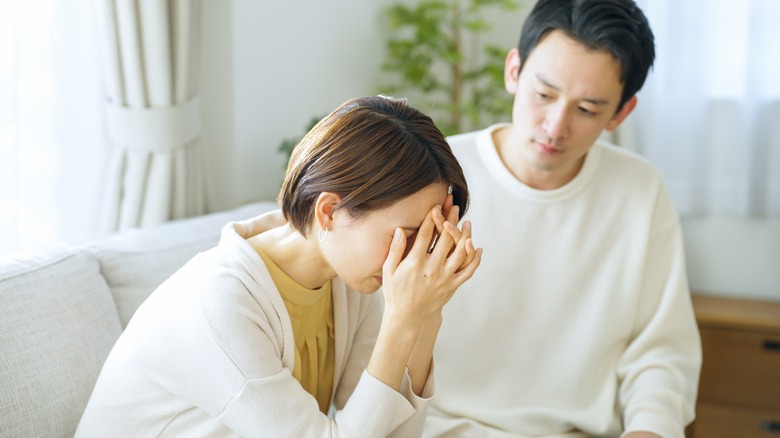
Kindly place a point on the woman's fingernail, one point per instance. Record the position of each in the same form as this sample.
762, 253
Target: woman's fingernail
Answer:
397, 234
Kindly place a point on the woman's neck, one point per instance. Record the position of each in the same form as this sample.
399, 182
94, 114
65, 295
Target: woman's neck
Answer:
300, 258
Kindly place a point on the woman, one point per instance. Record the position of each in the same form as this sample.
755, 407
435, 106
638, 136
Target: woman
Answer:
263, 334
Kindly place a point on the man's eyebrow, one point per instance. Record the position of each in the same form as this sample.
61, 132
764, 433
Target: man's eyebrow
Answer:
413, 229
546, 83
592, 101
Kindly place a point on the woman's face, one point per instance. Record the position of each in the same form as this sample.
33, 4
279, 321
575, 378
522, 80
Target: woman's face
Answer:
356, 249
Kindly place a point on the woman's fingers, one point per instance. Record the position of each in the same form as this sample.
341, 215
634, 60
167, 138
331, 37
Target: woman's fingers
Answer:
453, 231
452, 217
425, 234
446, 208
466, 273
470, 249
396, 253
453, 214
471, 252
438, 221
422, 283
457, 257
451, 250
463, 252
455, 278
447, 241
460, 251
449, 214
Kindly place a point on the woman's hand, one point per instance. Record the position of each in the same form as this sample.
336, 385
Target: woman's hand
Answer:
450, 214
420, 284
415, 289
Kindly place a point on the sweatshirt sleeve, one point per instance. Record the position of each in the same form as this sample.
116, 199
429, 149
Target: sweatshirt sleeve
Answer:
659, 370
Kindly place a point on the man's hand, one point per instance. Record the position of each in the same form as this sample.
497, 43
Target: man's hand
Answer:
261, 223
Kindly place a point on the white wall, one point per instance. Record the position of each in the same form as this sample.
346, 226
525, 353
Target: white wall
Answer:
734, 257
268, 67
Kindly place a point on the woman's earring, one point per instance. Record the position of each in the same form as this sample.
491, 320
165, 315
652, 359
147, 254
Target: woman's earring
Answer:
322, 236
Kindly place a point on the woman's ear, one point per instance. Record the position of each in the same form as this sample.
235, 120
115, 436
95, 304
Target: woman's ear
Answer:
327, 203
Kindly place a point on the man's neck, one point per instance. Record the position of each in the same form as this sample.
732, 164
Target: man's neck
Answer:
511, 154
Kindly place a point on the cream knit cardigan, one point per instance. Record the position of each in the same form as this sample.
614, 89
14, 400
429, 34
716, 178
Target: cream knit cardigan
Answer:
210, 353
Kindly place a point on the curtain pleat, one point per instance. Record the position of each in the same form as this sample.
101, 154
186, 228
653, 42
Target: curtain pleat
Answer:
707, 115
150, 55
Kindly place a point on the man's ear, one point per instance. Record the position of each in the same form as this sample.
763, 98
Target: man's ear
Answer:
512, 71
621, 115
327, 204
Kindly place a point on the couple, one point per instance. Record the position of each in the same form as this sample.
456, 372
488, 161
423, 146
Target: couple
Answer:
577, 323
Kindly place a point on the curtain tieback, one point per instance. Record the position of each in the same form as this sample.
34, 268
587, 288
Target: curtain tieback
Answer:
155, 130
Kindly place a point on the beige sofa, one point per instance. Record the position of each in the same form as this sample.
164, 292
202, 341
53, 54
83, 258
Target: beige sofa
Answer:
61, 310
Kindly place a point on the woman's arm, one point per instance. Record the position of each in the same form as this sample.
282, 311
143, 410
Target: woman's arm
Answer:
415, 290
421, 358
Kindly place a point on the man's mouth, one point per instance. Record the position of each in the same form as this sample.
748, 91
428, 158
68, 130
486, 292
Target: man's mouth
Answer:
548, 148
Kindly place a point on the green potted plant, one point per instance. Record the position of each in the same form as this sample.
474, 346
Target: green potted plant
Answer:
440, 63
437, 54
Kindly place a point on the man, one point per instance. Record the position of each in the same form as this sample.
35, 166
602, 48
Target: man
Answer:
579, 321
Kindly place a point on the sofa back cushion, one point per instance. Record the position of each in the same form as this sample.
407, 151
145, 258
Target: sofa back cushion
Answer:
57, 325
136, 261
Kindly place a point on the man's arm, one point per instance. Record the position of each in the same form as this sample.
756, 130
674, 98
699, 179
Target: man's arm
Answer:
659, 370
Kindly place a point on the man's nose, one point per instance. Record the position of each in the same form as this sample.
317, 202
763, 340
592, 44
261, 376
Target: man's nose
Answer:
556, 123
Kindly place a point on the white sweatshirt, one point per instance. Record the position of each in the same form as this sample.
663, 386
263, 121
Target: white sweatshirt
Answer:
579, 321
210, 354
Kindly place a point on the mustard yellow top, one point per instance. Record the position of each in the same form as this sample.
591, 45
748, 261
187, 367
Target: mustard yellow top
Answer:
311, 313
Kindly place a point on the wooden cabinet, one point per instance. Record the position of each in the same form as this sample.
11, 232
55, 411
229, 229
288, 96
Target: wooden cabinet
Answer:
739, 389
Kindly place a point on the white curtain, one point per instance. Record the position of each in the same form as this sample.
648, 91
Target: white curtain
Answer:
709, 114
150, 50
51, 140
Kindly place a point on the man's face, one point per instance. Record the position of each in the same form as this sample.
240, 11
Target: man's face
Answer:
565, 96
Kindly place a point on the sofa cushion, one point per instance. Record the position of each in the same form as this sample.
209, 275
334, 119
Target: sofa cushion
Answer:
57, 325
136, 261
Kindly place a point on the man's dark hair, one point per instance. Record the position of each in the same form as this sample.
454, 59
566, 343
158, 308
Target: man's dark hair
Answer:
617, 26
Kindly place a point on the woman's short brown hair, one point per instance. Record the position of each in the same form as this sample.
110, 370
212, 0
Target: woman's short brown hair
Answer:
372, 152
